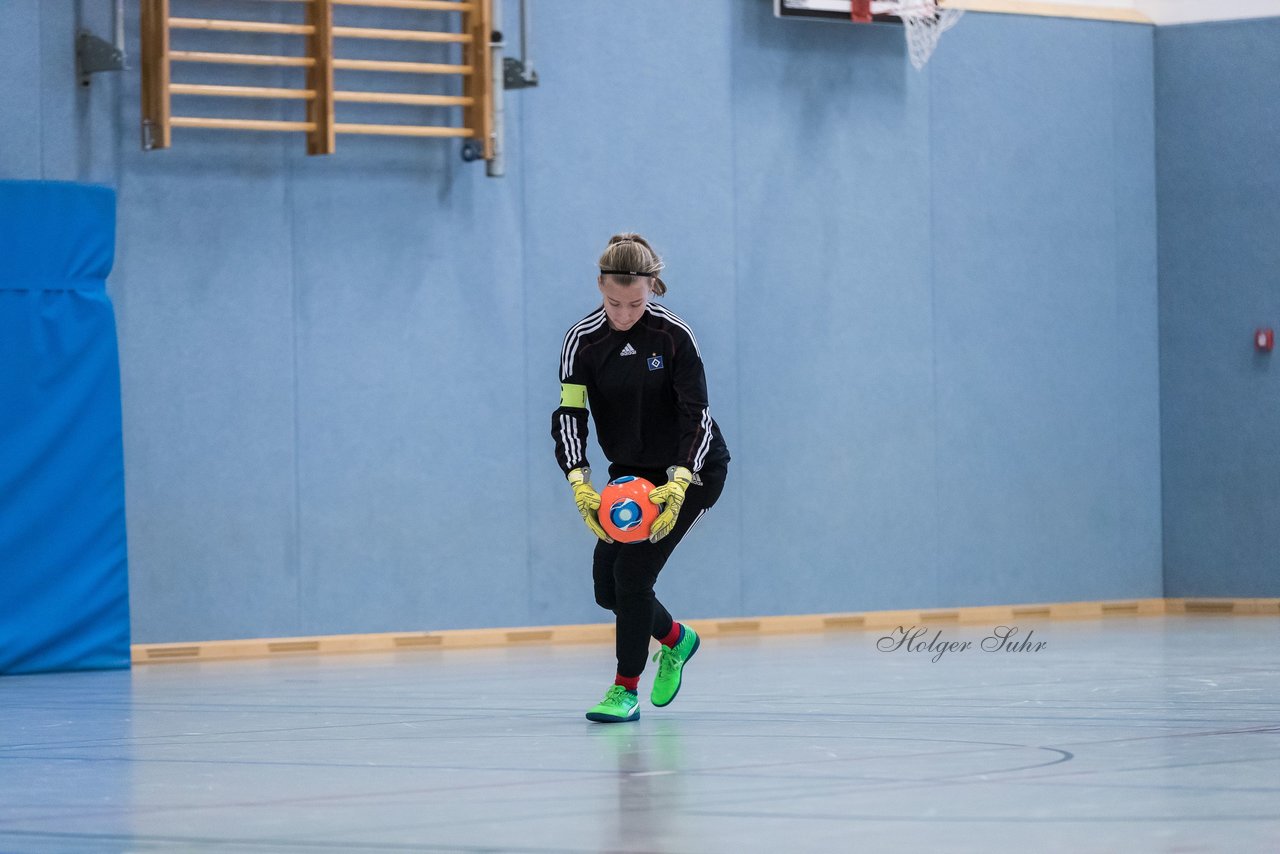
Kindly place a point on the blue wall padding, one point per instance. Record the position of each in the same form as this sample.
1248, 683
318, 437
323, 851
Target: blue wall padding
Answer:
64, 591
1219, 191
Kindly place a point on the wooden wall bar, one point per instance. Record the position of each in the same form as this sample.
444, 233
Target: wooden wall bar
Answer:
318, 56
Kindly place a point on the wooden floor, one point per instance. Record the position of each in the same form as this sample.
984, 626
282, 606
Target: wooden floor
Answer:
1123, 733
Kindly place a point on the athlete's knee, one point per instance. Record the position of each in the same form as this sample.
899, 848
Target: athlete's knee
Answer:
634, 587
606, 597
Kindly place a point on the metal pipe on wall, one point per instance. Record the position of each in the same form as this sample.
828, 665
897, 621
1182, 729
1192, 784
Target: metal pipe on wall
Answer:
496, 167
526, 52
117, 28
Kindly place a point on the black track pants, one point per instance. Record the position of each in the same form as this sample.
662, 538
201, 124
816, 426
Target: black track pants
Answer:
625, 573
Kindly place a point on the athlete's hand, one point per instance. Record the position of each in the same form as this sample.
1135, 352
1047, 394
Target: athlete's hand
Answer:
670, 494
588, 501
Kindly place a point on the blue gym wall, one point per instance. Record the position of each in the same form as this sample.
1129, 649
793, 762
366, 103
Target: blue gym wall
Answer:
50, 127
927, 302
1219, 183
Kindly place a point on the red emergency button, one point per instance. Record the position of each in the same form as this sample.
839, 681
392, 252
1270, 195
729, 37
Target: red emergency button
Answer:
1264, 340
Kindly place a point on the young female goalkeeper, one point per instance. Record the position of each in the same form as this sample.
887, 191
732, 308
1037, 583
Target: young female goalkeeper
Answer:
636, 367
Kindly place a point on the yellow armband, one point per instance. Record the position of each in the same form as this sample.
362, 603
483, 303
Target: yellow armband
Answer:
573, 396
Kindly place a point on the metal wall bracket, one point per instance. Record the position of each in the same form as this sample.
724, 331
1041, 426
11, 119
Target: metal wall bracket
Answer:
94, 55
516, 75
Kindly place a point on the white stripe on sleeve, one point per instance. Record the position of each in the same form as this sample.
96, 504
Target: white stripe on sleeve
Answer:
705, 444
667, 314
574, 337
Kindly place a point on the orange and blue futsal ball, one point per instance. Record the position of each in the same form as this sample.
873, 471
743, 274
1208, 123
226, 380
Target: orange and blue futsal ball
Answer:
626, 513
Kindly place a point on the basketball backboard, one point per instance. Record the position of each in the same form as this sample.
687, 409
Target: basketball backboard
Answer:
925, 20
825, 10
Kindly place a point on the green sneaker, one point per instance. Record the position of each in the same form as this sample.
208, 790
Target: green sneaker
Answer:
618, 705
671, 662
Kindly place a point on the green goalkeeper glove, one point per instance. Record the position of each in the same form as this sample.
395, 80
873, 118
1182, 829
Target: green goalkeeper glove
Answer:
588, 501
670, 494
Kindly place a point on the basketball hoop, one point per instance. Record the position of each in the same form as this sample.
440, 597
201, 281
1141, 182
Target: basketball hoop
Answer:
924, 20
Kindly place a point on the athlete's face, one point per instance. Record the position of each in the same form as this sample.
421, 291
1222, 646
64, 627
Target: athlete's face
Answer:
623, 304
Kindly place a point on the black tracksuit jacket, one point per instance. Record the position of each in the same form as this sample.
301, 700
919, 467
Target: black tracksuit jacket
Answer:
645, 389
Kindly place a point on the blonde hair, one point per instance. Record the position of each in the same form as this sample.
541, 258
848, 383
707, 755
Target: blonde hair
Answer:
629, 255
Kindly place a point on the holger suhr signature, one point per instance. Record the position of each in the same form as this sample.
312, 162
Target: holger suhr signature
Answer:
915, 639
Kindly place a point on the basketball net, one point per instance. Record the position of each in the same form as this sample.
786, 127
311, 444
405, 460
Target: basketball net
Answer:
924, 21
